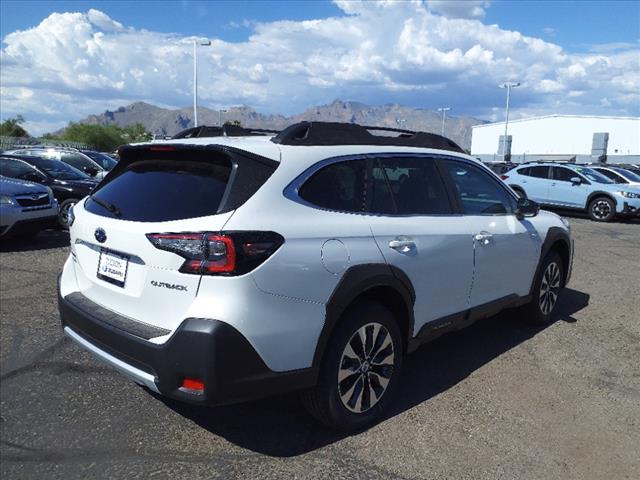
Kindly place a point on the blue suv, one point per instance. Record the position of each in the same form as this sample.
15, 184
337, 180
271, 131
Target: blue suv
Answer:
575, 187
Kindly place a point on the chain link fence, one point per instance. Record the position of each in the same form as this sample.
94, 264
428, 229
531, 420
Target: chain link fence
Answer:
9, 143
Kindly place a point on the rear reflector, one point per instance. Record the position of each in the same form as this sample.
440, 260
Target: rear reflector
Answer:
233, 253
504, 177
193, 384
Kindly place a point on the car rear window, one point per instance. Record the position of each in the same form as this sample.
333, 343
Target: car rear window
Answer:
155, 191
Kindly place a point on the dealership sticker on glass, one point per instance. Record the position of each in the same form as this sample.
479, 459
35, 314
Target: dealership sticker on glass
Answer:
112, 267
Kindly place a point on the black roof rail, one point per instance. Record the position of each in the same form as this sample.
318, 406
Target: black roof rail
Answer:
227, 130
336, 133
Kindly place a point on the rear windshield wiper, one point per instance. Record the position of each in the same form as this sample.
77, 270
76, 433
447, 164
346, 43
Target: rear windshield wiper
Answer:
107, 206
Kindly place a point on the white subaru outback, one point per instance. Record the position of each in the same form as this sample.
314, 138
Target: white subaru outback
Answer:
216, 270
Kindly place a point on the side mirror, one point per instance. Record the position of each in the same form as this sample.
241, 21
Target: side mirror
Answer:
527, 208
92, 172
576, 180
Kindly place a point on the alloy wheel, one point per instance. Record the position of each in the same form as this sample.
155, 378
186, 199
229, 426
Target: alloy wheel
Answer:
366, 367
601, 209
549, 288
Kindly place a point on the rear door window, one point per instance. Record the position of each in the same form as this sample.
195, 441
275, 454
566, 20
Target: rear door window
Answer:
154, 191
339, 186
408, 186
539, 172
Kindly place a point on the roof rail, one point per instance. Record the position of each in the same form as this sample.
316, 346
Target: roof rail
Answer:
335, 133
227, 130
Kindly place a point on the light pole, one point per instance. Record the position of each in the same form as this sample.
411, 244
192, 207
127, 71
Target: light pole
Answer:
444, 111
204, 43
508, 86
220, 112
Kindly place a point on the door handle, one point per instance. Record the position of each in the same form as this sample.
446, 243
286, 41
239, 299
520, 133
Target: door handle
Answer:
483, 238
402, 244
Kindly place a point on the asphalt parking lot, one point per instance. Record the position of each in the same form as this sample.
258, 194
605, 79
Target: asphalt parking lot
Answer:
500, 399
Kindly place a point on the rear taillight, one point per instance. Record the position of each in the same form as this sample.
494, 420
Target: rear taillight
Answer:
228, 253
504, 177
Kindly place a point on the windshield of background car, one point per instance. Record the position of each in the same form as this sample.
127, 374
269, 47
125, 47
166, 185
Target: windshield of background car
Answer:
592, 175
58, 170
101, 159
628, 174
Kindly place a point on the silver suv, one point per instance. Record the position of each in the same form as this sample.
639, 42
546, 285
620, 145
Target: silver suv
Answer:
215, 270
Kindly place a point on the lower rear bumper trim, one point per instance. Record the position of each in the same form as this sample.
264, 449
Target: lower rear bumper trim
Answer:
135, 374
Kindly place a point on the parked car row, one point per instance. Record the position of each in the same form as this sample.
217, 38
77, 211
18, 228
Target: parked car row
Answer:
68, 174
604, 192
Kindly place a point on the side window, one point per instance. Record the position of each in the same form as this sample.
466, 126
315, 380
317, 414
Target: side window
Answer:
339, 186
479, 193
524, 171
408, 186
539, 172
611, 175
74, 160
14, 169
563, 174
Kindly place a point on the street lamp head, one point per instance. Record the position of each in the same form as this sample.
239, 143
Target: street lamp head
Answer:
444, 109
205, 43
509, 85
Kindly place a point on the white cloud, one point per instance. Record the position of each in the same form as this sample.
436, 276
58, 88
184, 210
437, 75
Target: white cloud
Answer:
74, 64
459, 8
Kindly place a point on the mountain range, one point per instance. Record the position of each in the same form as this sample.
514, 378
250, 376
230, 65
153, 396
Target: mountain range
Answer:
162, 121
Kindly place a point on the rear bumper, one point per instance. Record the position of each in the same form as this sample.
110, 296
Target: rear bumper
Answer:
208, 350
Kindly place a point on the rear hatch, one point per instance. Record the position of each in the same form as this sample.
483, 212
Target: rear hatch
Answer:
164, 190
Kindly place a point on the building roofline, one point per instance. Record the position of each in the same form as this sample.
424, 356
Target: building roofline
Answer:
604, 117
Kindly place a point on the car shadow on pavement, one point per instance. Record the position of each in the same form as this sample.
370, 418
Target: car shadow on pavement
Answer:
44, 240
280, 426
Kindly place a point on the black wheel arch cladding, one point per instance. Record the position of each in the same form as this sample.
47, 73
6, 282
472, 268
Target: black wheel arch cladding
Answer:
355, 283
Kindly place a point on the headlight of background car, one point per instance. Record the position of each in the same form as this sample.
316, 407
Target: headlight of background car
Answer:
630, 194
6, 200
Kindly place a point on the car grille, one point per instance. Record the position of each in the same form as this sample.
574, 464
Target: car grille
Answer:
33, 200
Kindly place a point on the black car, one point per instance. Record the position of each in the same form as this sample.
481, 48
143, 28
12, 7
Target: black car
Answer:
105, 161
78, 160
69, 185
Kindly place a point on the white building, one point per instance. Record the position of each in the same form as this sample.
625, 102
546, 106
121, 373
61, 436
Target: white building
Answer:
560, 136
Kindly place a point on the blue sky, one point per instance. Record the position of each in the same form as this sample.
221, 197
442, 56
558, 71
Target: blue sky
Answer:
83, 57
574, 25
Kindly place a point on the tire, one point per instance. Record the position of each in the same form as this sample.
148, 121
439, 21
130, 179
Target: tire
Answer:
602, 209
339, 399
63, 212
548, 285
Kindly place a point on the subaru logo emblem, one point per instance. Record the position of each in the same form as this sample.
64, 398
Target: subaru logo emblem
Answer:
100, 235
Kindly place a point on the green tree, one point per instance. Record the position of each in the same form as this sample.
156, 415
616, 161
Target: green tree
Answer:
11, 127
235, 123
136, 133
105, 137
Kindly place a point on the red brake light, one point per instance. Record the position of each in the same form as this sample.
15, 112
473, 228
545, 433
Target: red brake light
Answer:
219, 253
222, 254
192, 384
504, 177
163, 148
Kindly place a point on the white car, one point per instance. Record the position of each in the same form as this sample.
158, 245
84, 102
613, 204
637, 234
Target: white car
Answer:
215, 270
